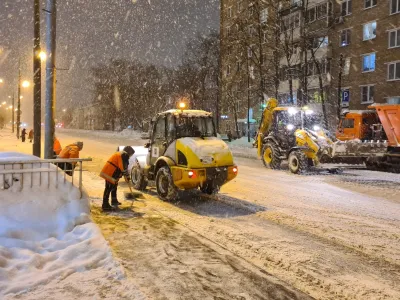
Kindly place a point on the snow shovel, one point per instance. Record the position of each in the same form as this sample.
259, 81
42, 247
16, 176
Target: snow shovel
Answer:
131, 195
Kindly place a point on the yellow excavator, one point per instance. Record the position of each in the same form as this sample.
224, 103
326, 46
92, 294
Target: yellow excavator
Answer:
293, 134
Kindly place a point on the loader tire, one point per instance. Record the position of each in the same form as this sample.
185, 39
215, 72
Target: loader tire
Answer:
271, 156
138, 179
166, 188
298, 162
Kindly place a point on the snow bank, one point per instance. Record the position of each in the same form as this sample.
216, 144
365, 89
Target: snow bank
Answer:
126, 133
46, 233
242, 142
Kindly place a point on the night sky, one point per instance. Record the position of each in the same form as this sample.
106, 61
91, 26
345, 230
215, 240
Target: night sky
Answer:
94, 31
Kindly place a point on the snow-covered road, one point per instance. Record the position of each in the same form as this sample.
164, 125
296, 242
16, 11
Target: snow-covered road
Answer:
329, 236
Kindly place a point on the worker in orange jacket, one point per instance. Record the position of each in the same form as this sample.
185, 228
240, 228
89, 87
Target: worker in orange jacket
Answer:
70, 151
56, 146
115, 167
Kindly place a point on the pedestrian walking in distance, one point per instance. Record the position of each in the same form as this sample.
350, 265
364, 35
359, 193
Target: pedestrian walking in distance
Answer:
115, 167
23, 135
70, 151
30, 135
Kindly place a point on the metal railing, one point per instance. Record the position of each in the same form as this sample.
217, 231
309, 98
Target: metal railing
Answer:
20, 170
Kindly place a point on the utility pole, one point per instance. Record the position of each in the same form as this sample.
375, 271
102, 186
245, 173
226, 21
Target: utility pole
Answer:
339, 95
248, 100
50, 77
19, 99
37, 75
12, 113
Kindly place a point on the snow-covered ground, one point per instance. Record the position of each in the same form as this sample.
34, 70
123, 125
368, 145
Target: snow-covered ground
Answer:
329, 236
49, 247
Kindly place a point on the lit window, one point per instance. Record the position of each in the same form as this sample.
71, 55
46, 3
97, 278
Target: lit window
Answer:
394, 38
368, 62
346, 7
369, 31
370, 3
345, 37
394, 6
367, 94
394, 71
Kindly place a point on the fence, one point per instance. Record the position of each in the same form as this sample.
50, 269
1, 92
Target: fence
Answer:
22, 170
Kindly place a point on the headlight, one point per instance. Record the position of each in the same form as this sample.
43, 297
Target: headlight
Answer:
292, 111
316, 128
290, 127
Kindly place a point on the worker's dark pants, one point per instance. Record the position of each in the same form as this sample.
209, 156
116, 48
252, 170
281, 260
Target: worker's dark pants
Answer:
110, 189
23, 138
67, 167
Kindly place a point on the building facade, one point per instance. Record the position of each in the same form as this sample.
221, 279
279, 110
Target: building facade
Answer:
329, 55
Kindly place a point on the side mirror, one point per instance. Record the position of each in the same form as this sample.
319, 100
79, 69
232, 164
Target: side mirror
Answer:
147, 145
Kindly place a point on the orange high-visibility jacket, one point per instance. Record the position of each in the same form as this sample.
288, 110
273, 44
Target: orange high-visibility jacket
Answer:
71, 151
115, 167
57, 146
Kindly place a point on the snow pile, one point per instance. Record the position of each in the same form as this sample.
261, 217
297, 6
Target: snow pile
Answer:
242, 142
46, 234
242, 148
126, 133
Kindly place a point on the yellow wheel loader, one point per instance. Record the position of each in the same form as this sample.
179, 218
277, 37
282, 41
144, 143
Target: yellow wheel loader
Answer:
183, 153
292, 134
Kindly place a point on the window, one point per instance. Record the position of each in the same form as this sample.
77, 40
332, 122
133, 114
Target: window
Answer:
394, 71
322, 10
394, 6
290, 22
368, 62
251, 10
369, 31
228, 70
250, 51
346, 7
394, 38
370, 3
239, 5
251, 30
265, 37
345, 37
348, 123
264, 16
346, 67
159, 133
320, 42
229, 12
367, 94
238, 66
228, 31
311, 15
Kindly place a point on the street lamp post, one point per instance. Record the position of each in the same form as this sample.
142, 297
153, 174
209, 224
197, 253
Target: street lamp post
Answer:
19, 99
37, 75
12, 114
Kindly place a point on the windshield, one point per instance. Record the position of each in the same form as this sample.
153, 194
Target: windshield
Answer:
309, 120
194, 127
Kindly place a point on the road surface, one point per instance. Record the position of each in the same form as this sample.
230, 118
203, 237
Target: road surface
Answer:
267, 235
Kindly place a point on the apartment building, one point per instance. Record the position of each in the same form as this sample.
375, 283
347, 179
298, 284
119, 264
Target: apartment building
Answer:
367, 36
324, 46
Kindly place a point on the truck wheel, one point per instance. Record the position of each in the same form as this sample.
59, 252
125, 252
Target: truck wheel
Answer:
209, 189
271, 156
298, 162
138, 179
166, 188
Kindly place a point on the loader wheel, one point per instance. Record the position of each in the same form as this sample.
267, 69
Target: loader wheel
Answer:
271, 156
166, 188
298, 162
138, 179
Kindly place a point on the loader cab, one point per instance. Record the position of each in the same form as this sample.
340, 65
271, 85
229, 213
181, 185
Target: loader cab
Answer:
172, 125
357, 125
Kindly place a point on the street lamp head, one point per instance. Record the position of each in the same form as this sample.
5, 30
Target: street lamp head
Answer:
20, 97
26, 84
1, 80
64, 110
4, 102
42, 55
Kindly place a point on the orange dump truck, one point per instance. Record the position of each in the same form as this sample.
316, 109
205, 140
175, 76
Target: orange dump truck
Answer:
380, 127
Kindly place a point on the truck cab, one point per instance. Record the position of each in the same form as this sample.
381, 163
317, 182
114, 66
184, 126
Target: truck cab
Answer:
357, 125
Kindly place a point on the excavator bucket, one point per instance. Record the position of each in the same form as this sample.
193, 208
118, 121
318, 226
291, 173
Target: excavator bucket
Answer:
357, 148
